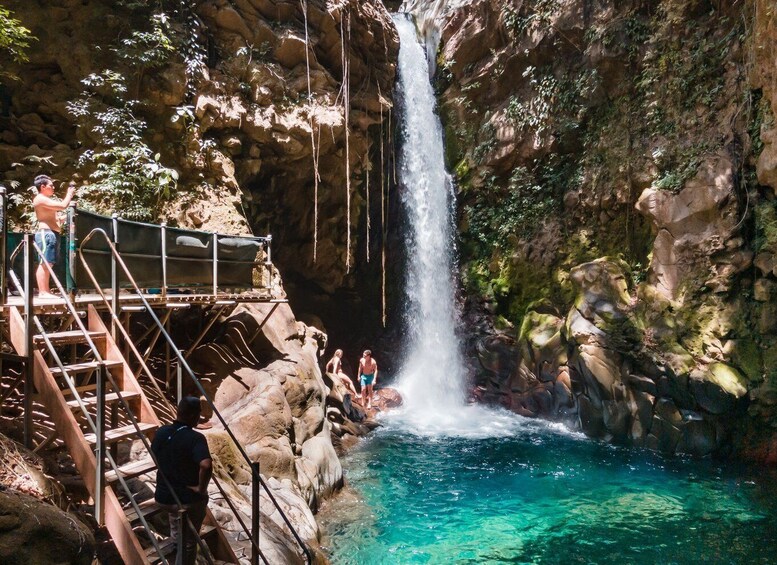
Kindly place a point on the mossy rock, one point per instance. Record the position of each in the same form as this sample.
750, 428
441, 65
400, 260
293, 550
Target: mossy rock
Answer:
728, 378
747, 357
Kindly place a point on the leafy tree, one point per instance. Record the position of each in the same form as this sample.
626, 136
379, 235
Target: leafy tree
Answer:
14, 38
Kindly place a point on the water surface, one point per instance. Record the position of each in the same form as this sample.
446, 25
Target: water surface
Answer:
536, 494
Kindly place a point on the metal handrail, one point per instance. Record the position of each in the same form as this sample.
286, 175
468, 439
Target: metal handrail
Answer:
184, 366
73, 389
144, 368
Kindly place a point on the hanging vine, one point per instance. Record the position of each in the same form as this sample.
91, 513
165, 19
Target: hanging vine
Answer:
314, 151
346, 27
368, 168
382, 220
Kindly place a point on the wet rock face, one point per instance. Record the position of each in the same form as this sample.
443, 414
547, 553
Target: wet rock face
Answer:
591, 371
571, 140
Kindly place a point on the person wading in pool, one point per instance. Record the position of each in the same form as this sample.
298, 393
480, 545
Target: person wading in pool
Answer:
368, 376
47, 236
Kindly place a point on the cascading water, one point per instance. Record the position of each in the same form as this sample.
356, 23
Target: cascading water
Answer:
431, 380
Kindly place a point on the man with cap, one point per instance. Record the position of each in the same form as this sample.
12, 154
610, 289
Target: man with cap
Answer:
184, 468
49, 226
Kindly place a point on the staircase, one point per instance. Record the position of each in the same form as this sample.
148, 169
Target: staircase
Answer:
71, 392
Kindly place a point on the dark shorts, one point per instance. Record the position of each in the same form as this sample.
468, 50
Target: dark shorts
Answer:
48, 243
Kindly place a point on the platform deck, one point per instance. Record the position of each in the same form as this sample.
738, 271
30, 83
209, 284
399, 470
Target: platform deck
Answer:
55, 304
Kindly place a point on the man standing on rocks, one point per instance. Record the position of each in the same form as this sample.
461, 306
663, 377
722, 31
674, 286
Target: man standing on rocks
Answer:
185, 463
368, 375
49, 226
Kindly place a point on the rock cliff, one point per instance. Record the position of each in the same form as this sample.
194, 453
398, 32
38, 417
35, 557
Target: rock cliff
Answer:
218, 115
616, 177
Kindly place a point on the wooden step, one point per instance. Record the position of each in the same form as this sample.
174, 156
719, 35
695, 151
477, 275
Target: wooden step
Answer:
168, 545
147, 509
124, 432
68, 337
130, 470
81, 389
86, 367
110, 398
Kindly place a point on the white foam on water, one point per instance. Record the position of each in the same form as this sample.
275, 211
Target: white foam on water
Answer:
472, 422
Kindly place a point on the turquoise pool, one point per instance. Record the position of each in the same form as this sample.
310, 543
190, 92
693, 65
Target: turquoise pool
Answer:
521, 491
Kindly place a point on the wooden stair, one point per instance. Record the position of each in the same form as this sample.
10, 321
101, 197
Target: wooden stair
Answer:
121, 519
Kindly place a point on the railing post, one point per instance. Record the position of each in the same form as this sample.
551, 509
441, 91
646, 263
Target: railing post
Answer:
3, 259
29, 387
255, 514
3, 245
183, 535
99, 479
71, 283
114, 277
29, 314
215, 264
179, 383
268, 261
164, 259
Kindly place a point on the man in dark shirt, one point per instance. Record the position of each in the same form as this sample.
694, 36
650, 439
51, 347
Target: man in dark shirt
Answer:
184, 461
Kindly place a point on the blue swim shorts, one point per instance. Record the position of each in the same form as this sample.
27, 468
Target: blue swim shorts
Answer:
48, 243
366, 380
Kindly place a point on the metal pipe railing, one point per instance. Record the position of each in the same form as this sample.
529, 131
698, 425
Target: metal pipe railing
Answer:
27, 292
190, 373
3, 246
142, 359
95, 426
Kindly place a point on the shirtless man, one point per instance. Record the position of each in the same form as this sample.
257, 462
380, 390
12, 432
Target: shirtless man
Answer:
49, 226
368, 375
335, 365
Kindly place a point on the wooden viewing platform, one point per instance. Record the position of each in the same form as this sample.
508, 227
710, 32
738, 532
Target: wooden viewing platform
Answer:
55, 304
82, 363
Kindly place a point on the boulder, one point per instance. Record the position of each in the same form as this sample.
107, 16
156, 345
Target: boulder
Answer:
33, 531
711, 397
699, 437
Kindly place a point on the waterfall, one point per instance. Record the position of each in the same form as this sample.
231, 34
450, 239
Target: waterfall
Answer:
432, 376
429, 16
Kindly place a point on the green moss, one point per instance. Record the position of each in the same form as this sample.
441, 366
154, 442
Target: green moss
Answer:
747, 357
728, 378
766, 227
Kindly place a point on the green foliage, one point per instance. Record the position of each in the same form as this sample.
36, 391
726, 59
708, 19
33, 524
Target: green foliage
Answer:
766, 227
488, 142
502, 211
521, 19
14, 38
536, 113
151, 48
679, 166
127, 176
555, 103
761, 114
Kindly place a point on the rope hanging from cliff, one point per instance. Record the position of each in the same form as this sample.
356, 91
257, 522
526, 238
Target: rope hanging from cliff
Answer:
368, 168
316, 176
345, 24
382, 221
